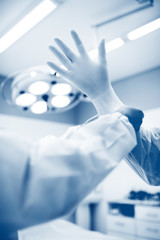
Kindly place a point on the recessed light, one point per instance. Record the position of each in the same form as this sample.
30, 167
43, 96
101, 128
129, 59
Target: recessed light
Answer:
144, 30
27, 23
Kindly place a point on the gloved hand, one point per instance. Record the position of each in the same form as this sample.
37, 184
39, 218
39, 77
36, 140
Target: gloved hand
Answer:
90, 77
134, 116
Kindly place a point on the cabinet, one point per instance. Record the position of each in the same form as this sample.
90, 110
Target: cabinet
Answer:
148, 230
121, 224
148, 221
134, 220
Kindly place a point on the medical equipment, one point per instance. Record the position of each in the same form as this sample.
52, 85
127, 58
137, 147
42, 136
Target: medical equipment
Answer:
39, 90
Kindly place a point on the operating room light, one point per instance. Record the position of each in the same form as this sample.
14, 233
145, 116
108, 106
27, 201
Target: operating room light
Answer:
61, 89
39, 107
60, 101
52, 71
25, 99
38, 87
28, 22
110, 46
33, 74
114, 44
38, 91
144, 30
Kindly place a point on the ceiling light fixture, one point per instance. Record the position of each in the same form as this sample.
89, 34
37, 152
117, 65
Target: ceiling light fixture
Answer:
144, 30
110, 46
114, 44
39, 91
27, 23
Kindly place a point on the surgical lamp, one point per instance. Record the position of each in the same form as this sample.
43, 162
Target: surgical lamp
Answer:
39, 90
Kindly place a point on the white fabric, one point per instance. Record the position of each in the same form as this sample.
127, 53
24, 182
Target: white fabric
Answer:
47, 179
61, 230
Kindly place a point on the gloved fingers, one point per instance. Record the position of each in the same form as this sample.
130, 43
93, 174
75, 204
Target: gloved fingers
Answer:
78, 43
102, 53
58, 69
66, 50
64, 60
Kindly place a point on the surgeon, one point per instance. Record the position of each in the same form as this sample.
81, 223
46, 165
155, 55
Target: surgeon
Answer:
92, 79
47, 179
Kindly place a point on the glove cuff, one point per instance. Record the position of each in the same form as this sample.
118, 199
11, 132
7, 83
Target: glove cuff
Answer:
134, 115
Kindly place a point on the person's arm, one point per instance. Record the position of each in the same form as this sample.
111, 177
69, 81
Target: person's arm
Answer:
47, 180
145, 157
92, 78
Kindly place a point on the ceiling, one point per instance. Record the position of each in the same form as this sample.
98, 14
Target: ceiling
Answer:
82, 15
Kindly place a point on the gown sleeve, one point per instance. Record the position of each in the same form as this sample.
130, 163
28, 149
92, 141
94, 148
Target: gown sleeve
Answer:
47, 179
145, 157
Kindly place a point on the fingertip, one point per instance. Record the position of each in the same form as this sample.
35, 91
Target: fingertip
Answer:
49, 64
53, 49
50, 47
73, 33
103, 42
56, 40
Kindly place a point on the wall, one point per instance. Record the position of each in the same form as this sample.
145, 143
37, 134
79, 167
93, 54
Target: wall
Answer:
32, 128
141, 90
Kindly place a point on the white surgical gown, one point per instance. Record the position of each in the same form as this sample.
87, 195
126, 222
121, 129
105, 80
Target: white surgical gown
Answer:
47, 179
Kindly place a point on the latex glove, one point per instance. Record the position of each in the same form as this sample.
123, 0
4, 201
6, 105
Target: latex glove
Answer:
88, 76
134, 115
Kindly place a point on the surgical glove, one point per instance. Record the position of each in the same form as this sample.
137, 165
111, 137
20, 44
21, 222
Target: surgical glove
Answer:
135, 116
88, 76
